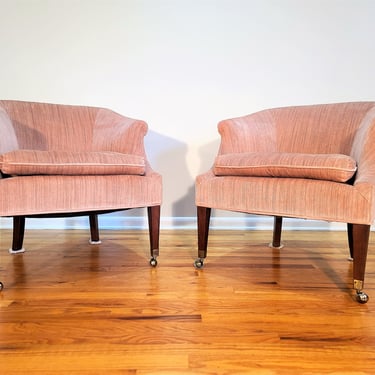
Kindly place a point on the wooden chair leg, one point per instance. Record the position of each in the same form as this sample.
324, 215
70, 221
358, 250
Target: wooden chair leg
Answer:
18, 235
277, 227
350, 240
359, 235
203, 218
153, 213
94, 230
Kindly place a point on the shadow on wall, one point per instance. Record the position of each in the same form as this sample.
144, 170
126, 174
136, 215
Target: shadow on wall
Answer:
185, 206
207, 154
168, 157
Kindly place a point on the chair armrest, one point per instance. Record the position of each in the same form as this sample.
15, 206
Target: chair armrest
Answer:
363, 150
117, 133
252, 133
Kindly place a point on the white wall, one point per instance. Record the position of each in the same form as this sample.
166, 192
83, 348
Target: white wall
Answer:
183, 65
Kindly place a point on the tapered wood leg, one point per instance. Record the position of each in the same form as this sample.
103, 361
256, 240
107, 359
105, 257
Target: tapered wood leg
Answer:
277, 227
94, 229
203, 217
350, 239
18, 234
154, 229
360, 237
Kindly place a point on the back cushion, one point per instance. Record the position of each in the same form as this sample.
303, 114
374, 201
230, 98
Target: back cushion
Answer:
327, 128
45, 126
315, 129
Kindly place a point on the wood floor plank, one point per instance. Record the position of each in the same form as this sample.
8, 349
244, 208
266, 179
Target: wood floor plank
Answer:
69, 307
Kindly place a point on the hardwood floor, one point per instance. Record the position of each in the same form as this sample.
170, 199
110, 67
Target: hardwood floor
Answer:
73, 308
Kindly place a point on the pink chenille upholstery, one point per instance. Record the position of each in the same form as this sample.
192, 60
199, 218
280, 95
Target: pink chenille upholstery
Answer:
100, 164
343, 130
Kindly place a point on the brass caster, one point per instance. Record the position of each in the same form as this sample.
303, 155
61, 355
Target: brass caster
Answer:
362, 297
198, 263
153, 262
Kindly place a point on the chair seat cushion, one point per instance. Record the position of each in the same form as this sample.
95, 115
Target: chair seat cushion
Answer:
35, 162
332, 167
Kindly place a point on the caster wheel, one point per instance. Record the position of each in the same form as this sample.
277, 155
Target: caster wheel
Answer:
362, 297
153, 262
198, 263
1, 286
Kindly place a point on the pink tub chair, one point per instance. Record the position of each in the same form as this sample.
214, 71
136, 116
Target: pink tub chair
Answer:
62, 160
312, 162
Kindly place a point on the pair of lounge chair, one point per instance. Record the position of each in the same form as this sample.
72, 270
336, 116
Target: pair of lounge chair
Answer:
313, 162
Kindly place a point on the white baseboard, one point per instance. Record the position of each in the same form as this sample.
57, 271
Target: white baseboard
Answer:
140, 222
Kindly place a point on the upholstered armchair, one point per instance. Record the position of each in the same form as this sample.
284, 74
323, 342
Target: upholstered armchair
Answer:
61, 160
313, 162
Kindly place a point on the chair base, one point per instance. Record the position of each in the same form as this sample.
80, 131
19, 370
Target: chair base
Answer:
153, 213
358, 238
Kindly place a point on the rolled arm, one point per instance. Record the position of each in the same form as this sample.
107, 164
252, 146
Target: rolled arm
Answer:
252, 133
363, 150
117, 133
